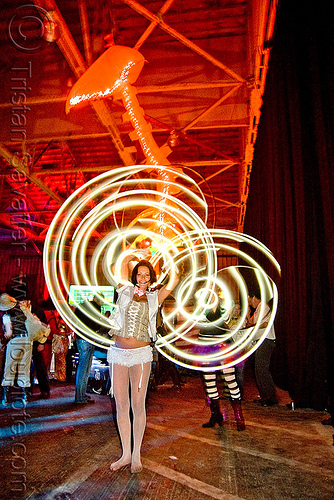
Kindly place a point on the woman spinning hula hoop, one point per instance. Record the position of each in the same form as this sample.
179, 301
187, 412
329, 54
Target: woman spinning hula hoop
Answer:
131, 356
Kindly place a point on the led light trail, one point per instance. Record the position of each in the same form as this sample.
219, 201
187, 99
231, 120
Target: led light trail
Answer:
101, 222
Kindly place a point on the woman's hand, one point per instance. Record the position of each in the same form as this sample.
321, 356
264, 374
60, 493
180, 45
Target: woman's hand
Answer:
142, 253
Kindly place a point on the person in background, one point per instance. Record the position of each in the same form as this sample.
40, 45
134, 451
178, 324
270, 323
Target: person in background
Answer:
60, 344
39, 365
239, 367
19, 348
131, 356
214, 329
70, 357
85, 351
51, 315
263, 377
165, 368
57, 342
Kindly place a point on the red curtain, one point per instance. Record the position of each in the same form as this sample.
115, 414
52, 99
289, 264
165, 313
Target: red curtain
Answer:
290, 205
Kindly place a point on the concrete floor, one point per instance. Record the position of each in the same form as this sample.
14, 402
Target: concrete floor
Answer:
54, 450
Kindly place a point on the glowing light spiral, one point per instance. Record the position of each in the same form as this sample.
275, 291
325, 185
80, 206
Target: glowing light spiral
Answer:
102, 221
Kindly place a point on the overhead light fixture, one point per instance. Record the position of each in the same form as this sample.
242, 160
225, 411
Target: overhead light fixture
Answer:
50, 29
173, 139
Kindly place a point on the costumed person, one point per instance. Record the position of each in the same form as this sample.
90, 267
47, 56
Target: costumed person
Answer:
86, 352
40, 368
263, 377
19, 347
212, 332
51, 315
130, 357
60, 345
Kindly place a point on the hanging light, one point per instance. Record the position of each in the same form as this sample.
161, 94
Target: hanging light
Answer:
51, 30
113, 75
117, 66
173, 139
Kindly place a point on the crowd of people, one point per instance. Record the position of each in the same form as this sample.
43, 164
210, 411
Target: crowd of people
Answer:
25, 358
133, 328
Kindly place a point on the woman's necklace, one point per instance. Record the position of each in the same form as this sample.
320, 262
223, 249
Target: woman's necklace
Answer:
139, 291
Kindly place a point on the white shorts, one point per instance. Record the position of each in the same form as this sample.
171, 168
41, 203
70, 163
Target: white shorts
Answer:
130, 357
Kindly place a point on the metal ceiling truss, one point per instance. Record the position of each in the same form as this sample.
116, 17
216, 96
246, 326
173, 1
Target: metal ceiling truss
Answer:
234, 82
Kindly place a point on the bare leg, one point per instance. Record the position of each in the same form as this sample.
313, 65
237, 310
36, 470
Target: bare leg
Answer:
138, 373
122, 399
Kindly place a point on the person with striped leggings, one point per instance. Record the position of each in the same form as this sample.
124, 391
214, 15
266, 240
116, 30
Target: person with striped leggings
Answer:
212, 331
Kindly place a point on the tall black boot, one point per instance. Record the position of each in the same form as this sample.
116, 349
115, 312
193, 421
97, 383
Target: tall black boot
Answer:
216, 415
239, 418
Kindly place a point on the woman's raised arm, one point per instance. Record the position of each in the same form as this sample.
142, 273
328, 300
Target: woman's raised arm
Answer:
168, 288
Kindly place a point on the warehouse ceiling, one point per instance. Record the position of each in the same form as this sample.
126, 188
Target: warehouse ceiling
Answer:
200, 90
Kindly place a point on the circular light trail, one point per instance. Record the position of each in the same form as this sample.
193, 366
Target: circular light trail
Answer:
100, 223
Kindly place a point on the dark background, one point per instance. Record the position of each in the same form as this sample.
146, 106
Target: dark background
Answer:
290, 204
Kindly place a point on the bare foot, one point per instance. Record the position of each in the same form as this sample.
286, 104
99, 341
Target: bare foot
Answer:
136, 467
122, 462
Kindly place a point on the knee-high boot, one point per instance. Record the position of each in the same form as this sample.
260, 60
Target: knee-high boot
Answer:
216, 415
238, 415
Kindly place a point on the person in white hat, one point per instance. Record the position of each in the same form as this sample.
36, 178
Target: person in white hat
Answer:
19, 347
